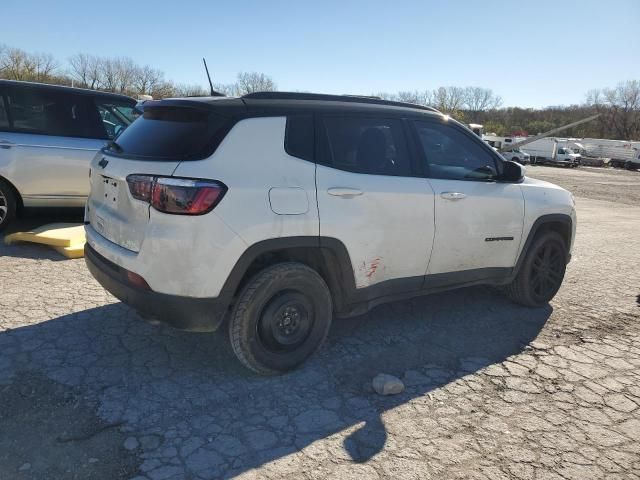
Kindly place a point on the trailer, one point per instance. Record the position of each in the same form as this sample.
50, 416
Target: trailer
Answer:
621, 154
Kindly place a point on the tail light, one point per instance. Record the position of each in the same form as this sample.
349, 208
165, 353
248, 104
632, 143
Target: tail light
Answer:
180, 196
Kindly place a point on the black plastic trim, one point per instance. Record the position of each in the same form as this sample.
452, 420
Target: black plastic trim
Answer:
349, 300
535, 228
185, 313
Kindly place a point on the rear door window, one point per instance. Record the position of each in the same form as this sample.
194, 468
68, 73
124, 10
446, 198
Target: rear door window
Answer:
172, 133
4, 118
371, 145
50, 112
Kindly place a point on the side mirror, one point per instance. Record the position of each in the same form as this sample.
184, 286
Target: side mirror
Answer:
512, 171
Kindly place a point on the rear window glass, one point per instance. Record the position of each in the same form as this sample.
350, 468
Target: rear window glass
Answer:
299, 137
4, 119
171, 133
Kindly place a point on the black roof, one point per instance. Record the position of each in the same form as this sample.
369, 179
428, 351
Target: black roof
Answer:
286, 102
64, 88
362, 99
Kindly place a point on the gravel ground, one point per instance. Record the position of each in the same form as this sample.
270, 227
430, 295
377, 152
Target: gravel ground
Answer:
609, 184
493, 390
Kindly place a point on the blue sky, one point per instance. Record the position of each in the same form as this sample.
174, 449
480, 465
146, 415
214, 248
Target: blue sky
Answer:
532, 53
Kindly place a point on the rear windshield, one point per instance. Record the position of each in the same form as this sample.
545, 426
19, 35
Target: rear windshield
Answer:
171, 133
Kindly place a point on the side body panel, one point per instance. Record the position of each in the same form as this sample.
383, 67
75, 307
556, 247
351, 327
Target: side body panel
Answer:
544, 198
48, 170
271, 195
483, 229
387, 227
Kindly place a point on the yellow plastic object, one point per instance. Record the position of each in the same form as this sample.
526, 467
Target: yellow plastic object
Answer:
66, 238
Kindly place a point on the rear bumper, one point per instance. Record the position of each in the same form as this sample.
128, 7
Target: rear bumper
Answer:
185, 313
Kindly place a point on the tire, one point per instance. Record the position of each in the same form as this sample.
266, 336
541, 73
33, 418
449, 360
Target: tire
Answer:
541, 273
281, 318
8, 204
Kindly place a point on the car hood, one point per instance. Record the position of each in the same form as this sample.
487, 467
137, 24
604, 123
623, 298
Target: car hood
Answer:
540, 183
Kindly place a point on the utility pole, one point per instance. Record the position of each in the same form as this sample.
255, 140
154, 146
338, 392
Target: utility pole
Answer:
508, 148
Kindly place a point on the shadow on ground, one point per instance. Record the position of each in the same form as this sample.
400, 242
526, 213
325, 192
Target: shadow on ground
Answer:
208, 417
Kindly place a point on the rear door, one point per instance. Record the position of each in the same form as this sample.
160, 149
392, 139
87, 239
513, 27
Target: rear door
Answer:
369, 199
478, 219
53, 136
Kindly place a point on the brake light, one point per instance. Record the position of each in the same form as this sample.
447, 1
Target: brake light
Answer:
180, 196
140, 186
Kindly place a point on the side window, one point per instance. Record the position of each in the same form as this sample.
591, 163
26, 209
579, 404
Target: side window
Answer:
4, 117
451, 154
299, 137
114, 116
51, 113
375, 146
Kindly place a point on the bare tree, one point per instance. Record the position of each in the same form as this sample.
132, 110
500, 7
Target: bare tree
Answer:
126, 71
147, 80
619, 108
79, 69
183, 90
448, 99
248, 82
14, 64
478, 99
109, 74
416, 97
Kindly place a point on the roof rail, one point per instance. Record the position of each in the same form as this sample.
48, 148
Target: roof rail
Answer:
333, 98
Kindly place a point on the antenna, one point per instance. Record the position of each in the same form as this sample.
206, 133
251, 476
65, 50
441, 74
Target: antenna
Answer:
213, 92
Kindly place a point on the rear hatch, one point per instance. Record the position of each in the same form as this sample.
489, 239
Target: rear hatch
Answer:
167, 134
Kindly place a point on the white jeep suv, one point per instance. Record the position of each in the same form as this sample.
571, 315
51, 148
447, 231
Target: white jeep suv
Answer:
275, 212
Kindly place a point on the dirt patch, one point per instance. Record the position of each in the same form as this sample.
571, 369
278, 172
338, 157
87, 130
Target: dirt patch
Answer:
613, 185
51, 431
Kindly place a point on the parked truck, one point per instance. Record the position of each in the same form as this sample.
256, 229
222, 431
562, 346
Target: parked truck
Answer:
555, 151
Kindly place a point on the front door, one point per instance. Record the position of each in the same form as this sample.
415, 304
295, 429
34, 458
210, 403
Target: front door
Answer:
478, 219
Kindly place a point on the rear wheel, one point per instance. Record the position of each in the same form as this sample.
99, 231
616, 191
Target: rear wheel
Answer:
542, 271
7, 204
281, 318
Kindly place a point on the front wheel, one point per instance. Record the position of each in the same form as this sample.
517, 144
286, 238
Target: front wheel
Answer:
7, 204
281, 318
541, 273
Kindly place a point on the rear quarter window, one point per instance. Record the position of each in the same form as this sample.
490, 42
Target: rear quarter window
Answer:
4, 118
299, 137
172, 133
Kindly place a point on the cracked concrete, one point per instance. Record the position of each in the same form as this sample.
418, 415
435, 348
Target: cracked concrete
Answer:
493, 390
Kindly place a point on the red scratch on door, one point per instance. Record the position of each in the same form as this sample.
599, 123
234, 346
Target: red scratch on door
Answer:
373, 266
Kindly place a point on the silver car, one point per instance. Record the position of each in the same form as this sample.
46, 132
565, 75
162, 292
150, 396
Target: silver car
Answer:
48, 136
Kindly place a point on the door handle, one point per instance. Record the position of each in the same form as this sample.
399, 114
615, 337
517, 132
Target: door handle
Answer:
345, 192
6, 144
453, 195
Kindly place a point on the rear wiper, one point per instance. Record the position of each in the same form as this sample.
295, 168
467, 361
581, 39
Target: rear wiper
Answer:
112, 145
